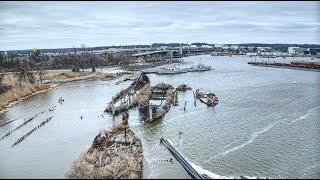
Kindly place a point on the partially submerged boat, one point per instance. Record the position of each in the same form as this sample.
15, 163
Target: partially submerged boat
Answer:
161, 92
210, 99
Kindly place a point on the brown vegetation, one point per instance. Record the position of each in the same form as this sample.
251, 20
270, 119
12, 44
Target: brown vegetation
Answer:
17, 86
18, 92
110, 157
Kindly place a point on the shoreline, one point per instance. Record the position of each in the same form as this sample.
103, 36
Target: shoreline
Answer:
284, 66
55, 84
12, 103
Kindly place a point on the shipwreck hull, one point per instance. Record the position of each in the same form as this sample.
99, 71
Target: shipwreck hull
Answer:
209, 99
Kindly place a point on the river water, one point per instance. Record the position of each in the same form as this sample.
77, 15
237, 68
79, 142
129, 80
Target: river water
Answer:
266, 124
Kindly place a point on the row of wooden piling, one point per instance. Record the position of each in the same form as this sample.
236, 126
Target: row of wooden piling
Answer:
10, 121
30, 132
26, 122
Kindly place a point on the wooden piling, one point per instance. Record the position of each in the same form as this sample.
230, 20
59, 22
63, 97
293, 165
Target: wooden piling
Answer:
195, 102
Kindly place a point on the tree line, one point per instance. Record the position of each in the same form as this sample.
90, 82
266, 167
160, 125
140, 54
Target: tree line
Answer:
83, 59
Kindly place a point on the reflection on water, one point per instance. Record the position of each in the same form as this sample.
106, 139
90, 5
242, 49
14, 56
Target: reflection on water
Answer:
264, 124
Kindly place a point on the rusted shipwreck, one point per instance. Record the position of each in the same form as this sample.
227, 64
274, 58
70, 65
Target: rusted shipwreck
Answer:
209, 99
164, 93
141, 95
137, 94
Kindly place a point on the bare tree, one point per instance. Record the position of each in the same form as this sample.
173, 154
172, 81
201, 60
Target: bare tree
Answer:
23, 73
31, 77
20, 75
74, 50
1, 78
83, 48
84, 56
41, 72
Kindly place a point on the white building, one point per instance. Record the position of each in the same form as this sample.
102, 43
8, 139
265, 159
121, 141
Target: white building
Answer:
226, 47
234, 47
193, 46
296, 50
264, 49
291, 50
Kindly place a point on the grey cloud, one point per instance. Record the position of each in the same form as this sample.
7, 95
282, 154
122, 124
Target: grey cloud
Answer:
110, 23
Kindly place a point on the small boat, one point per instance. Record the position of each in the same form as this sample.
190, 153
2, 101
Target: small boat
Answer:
170, 70
209, 99
60, 100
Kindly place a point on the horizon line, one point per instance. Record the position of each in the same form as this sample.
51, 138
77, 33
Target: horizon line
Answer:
159, 43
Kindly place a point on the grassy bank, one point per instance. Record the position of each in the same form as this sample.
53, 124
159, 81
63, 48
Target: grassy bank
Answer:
15, 92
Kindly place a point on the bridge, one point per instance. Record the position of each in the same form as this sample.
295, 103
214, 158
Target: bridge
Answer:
151, 53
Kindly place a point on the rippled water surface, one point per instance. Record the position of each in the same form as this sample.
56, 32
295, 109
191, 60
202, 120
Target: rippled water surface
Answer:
266, 124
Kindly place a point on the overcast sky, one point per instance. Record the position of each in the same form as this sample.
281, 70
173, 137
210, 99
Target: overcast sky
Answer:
24, 25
